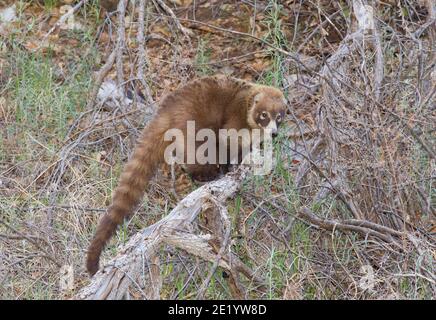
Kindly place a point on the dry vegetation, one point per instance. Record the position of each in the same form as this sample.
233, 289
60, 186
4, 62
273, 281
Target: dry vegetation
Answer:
349, 210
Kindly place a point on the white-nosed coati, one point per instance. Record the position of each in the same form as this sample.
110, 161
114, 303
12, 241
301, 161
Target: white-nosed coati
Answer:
217, 102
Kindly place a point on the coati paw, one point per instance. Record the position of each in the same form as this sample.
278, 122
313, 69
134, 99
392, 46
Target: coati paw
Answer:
92, 267
204, 177
204, 173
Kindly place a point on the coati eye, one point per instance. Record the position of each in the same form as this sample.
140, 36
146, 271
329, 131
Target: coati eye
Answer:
279, 118
263, 115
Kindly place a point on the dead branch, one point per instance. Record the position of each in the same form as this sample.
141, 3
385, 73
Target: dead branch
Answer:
32, 240
64, 18
360, 226
223, 214
113, 281
121, 40
186, 32
99, 77
142, 53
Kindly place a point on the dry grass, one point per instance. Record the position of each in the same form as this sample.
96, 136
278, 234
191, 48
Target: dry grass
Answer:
367, 162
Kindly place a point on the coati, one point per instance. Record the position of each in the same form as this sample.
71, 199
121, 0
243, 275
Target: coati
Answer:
216, 102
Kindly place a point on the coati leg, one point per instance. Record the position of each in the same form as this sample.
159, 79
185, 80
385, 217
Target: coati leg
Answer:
204, 172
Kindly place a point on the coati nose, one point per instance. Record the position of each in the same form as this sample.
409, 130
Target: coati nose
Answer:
272, 127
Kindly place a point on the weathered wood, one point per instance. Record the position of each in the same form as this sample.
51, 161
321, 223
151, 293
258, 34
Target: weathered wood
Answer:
114, 280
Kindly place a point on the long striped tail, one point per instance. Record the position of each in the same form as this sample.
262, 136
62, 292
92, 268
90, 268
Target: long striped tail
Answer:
134, 179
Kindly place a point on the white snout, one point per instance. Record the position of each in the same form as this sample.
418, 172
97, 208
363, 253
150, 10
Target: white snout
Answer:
272, 127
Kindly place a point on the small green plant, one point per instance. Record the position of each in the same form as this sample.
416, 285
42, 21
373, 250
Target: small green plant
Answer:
50, 4
202, 58
275, 36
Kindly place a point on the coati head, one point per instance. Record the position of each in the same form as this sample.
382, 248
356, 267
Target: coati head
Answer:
267, 109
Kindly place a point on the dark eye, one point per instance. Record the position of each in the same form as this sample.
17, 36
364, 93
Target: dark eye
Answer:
263, 115
279, 118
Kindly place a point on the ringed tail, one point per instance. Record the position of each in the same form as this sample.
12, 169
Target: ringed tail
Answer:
133, 181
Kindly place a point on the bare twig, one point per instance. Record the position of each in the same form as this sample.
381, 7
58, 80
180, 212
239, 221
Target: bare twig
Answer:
361, 227
33, 241
186, 32
99, 79
142, 54
64, 18
119, 49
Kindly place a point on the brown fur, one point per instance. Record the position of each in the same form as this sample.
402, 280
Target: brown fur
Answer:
109, 5
213, 102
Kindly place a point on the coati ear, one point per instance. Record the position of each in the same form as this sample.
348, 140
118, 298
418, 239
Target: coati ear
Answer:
257, 97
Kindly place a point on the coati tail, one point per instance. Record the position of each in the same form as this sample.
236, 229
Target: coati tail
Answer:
147, 155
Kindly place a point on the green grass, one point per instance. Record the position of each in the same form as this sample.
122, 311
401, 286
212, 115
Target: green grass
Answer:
276, 37
43, 102
202, 58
